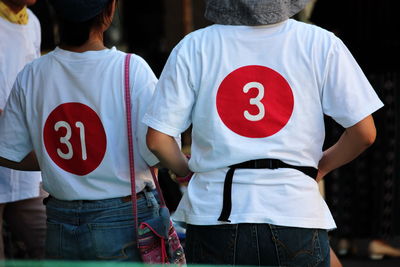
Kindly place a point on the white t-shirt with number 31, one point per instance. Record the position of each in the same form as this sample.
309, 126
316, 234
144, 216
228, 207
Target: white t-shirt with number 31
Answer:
252, 93
69, 107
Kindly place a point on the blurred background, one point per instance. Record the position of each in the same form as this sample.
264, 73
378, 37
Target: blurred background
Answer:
364, 196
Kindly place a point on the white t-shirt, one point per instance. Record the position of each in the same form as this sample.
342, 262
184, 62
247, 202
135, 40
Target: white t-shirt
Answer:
69, 107
19, 45
252, 93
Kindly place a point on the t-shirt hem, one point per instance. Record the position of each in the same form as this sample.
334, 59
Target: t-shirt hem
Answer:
9, 154
254, 218
21, 196
151, 160
362, 115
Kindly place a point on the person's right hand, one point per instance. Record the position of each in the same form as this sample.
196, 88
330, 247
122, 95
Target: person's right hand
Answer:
1, 111
320, 176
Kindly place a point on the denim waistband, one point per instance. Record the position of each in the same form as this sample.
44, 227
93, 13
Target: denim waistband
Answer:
100, 203
82, 212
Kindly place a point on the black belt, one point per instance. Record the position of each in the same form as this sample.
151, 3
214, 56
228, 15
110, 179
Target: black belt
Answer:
255, 164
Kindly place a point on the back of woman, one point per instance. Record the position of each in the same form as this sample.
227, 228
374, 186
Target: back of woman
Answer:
69, 108
75, 113
255, 87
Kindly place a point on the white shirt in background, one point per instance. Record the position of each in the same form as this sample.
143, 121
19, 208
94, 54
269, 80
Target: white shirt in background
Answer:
19, 45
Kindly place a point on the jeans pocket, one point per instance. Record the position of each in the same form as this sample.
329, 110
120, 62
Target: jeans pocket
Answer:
300, 246
114, 240
211, 244
53, 240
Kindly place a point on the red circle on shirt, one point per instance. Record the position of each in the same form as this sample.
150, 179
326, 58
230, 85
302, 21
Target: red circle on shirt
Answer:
74, 138
255, 101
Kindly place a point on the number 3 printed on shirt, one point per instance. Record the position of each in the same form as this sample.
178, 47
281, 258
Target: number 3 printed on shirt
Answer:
254, 101
74, 138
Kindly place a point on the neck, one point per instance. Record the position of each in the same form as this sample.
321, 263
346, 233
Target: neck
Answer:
94, 43
14, 7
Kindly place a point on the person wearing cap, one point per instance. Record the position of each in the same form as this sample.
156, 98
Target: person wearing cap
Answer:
21, 206
255, 87
68, 107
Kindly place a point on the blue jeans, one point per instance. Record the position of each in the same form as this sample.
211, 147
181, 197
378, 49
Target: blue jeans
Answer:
257, 244
96, 230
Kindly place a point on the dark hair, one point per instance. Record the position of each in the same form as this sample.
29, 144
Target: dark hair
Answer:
77, 33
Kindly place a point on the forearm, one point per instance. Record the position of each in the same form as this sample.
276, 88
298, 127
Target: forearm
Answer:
351, 144
167, 151
29, 163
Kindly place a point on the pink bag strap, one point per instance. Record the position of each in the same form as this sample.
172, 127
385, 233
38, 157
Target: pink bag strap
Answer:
162, 201
130, 135
130, 143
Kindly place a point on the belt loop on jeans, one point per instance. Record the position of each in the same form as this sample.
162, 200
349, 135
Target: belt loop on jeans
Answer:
254, 164
139, 195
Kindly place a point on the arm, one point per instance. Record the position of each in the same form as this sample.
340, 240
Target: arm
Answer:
352, 143
334, 262
29, 163
167, 151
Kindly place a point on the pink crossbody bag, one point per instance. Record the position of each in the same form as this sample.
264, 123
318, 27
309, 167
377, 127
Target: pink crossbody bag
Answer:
157, 239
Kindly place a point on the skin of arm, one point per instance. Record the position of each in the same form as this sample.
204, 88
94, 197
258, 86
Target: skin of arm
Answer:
334, 259
351, 143
165, 148
29, 163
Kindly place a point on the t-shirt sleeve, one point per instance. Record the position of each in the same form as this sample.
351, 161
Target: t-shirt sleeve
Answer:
347, 95
15, 142
143, 84
171, 107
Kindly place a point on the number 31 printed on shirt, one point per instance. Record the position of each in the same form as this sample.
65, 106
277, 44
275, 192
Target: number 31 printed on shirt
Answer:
254, 101
74, 138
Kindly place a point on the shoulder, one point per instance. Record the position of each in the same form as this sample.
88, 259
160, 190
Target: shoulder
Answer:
317, 40
142, 76
137, 60
311, 30
31, 69
141, 68
196, 38
199, 34
33, 19
35, 31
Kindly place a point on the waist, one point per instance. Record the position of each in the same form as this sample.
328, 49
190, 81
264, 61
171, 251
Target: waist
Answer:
274, 164
93, 203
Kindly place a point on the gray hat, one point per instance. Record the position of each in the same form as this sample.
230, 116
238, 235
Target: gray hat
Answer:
252, 12
78, 10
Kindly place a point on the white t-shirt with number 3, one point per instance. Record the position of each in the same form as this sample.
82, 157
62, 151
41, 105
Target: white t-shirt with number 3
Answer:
252, 93
69, 107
